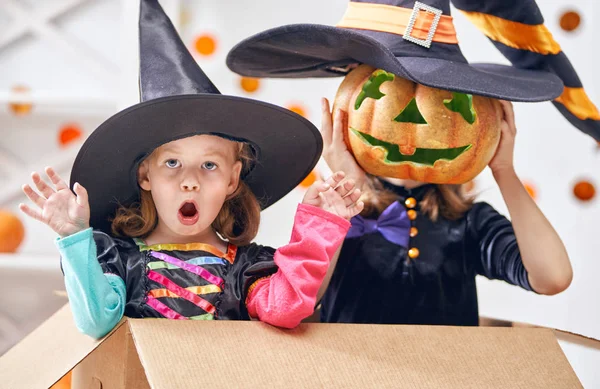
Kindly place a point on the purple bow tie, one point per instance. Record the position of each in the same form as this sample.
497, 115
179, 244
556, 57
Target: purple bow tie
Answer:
393, 224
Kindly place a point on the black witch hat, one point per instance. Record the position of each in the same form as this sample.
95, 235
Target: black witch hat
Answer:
417, 41
178, 100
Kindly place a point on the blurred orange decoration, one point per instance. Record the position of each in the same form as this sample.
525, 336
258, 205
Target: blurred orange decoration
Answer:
68, 134
299, 109
584, 190
184, 16
12, 232
250, 85
63, 383
530, 188
205, 44
20, 101
570, 20
309, 180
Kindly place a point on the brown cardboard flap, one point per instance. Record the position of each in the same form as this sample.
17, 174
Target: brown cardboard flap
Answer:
47, 354
252, 354
114, 364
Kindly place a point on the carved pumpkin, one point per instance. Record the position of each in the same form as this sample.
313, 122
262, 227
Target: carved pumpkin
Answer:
400, 129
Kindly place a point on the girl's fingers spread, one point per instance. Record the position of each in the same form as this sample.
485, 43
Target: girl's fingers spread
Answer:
82, 195
41, 185
55, 178
357, 208
33, 196
346, 187
315, 189
352, 197
37, 215
335, 179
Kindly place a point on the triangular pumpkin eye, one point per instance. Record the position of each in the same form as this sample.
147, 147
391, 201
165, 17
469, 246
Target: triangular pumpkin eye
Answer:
463, 104
411, 114
370, 88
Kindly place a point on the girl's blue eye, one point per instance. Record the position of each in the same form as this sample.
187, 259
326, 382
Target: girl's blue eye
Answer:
173, 163
209, 166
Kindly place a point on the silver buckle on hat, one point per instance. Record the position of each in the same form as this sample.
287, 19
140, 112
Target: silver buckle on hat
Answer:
411, 23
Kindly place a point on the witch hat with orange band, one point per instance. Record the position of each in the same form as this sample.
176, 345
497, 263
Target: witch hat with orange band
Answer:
414, 40
516, 27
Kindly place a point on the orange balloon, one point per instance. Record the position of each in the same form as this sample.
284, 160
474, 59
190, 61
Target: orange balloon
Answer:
584, 190
570, 20
309, 180
12, 232
68, 134
297, 108
249, 84
20, 107
205, 44
530, 188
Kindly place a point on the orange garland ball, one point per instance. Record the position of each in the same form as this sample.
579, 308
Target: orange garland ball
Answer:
570, 20
21, 106
12, 232
584, 190
205, 44
68, 134
249, 84
309, 180
297, 108
530, 189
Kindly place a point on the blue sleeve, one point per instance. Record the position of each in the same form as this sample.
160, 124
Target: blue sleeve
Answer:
97, 299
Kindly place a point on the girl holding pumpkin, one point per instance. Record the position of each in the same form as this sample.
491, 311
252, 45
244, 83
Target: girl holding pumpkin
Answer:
413, 108
171, 187
416, 248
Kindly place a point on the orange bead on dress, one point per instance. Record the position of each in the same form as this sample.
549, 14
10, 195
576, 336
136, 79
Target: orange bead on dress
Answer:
413, 253
410, 202
413, 232
412, 214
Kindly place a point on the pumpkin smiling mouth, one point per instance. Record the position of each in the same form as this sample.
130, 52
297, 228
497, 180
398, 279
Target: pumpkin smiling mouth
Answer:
420, 156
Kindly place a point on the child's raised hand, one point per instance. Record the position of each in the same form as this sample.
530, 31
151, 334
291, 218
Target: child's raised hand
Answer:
335, 150
335, 196
60, 209
503, 159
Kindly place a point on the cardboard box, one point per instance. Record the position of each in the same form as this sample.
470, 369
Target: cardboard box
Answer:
158, 353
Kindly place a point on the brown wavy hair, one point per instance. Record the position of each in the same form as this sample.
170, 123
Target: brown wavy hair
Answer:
237, 221
449, 201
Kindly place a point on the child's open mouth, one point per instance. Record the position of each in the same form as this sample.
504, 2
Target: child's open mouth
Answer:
188, 213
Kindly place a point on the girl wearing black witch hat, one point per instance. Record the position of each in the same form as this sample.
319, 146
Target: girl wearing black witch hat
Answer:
429, 242
413, 255
168, 196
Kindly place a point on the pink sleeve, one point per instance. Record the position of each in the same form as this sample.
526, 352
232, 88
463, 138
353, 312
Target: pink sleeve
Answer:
289, 296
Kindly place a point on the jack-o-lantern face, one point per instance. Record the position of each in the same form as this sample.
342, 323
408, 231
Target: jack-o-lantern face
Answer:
400, 129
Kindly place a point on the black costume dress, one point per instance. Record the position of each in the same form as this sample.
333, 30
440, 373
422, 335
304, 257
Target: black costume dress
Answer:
377, 281
196, 281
